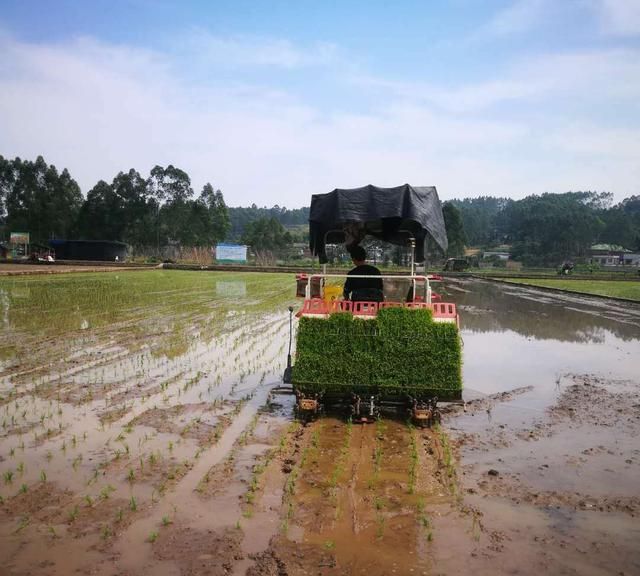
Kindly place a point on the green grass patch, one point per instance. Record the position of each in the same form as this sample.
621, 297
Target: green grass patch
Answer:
400, 352
613, 288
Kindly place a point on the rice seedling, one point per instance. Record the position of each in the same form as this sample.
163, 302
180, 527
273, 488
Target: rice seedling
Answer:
43, 476
413, 460
153, 536
380, 523
133, 504
23, 488
106, 491
329, 545
8, 477
73, 514
24, 522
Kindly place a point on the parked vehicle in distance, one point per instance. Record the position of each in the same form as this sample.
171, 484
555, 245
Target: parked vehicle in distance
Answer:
456, 265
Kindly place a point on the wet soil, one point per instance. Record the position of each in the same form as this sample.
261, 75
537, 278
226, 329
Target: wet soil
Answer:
151, 445
358, 499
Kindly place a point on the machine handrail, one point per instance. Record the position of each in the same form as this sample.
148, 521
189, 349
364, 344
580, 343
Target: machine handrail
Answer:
414, 278
409, 276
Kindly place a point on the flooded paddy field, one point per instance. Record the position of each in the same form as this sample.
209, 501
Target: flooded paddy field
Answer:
139, 436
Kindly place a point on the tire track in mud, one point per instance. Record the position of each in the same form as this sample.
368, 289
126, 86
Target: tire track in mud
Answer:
355, 509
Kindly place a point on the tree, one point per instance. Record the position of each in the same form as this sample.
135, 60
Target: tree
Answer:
455, 230
216, 215
171, 187
123, 210
38, 199
101, 215
618, 228
266, 234
550, 228
170, 184
241, 216
139, 208
481, 219
6, 183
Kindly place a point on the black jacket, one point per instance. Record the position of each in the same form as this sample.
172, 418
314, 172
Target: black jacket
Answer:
364, 289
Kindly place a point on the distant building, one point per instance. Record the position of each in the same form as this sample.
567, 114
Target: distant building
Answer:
496, 254
97, 250
613, 255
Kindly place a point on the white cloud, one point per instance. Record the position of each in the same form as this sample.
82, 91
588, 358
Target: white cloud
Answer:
98, 109
605, 76
239, 51
518, 17
619, 17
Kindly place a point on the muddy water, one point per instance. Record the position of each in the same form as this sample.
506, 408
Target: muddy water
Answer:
139, 436
552, 471
517, 337
117, 393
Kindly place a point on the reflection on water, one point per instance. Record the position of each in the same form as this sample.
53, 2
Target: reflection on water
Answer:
167, 310
491, 307
519, 337
233, 288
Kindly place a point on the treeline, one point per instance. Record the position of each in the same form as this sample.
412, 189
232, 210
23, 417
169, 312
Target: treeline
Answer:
157, 210
163, 209
548, 228
153, 211
240, 217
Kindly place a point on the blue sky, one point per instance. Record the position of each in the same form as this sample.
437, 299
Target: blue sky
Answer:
275, 101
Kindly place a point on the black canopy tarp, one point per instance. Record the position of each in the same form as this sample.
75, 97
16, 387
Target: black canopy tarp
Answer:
389, 214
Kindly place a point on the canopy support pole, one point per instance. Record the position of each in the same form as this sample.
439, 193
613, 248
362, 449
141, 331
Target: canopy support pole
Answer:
412, 243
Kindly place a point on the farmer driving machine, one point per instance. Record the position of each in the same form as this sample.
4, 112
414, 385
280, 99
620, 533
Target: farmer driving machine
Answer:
399, 351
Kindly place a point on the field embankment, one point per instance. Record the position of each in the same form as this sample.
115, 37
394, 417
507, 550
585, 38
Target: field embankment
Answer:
624, 289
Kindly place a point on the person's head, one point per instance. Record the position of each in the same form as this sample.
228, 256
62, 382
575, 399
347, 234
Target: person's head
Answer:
358, 255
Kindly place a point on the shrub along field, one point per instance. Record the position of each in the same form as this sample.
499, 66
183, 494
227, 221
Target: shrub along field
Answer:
399, 352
